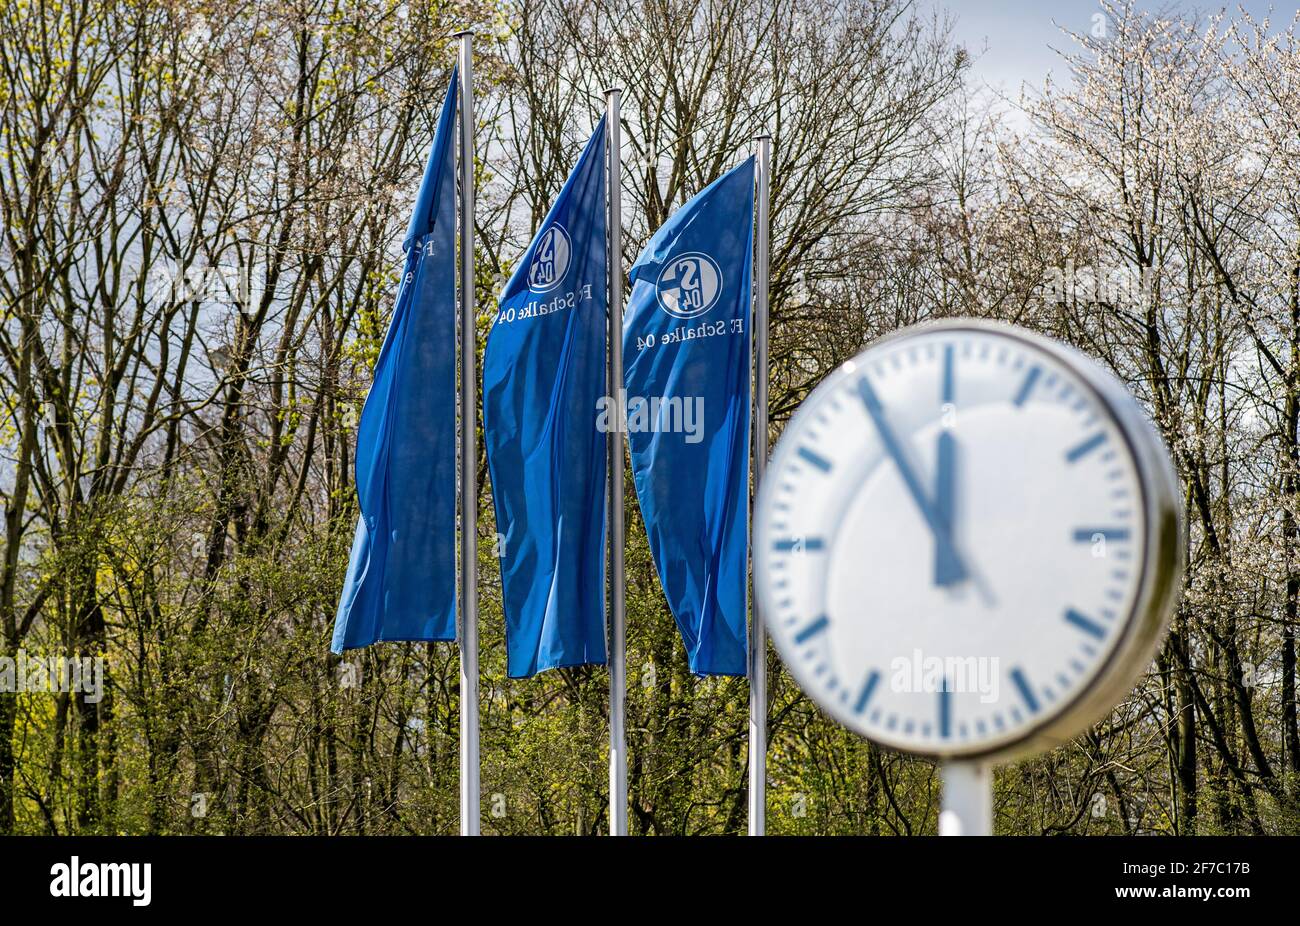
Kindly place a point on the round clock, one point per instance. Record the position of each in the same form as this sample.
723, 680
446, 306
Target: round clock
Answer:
968, 541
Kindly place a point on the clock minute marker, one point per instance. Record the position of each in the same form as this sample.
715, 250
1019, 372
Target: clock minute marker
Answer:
1027, 386
1090, 534
815, 459
818, 625
1084, 623
1022, 686
949, 385
945, 710
798, 544
1079, 451
868, 687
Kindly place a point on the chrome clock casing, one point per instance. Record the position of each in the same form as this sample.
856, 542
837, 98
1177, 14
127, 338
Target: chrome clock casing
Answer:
1140, 630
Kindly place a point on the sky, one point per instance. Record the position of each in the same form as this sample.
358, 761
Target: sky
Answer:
1017, 42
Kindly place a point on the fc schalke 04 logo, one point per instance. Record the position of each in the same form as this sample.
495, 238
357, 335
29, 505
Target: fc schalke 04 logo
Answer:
550, 260
689, 285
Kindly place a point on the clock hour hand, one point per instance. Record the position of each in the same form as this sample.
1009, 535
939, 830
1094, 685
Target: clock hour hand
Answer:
947, 568
955, 569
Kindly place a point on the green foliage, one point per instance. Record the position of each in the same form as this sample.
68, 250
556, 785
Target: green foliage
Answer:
178, 474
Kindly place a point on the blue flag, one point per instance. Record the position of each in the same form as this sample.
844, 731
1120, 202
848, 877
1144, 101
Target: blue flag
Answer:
543, 383
401, 581
686, 346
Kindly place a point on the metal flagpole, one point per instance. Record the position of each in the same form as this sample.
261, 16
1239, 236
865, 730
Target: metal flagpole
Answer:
614, 438
758, 633
469, 755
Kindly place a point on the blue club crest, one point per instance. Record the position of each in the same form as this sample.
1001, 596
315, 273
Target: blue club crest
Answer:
689, 285
550, 259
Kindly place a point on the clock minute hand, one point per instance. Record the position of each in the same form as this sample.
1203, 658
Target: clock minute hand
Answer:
955, 569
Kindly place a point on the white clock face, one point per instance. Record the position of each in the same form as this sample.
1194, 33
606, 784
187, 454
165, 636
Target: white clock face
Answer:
949, 540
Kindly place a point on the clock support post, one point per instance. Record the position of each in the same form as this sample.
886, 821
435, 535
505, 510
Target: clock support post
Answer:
967, 808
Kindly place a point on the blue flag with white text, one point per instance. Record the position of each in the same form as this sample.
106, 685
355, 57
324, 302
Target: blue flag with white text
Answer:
401, 579
686, 344
543, 383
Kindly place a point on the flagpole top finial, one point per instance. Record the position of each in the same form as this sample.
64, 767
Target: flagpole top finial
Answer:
615, 89
462, 32
763, 135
